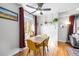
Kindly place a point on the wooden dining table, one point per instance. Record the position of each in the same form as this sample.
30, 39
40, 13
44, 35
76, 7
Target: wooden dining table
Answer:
39, 39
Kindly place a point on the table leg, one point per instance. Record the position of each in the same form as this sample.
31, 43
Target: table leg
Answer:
43, 48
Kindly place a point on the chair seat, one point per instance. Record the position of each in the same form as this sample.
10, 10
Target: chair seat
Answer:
37, 45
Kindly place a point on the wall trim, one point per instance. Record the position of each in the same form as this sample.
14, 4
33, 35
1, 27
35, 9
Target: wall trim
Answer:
17, 51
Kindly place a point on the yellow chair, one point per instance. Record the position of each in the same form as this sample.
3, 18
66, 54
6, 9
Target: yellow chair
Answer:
33, 46
45, 43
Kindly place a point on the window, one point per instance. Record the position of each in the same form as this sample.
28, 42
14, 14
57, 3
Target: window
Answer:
29, 24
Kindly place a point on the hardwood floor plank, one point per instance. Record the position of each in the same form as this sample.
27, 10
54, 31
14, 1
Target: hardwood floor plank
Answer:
61, 50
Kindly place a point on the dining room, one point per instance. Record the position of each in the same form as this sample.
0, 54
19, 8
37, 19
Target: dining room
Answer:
39, 30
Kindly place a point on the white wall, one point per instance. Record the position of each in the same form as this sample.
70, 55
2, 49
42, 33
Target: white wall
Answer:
9, 32
40, 20
62, 32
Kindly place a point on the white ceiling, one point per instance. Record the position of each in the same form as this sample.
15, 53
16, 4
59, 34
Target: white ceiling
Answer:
55, 7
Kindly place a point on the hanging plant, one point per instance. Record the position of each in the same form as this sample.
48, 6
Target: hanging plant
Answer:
55, 20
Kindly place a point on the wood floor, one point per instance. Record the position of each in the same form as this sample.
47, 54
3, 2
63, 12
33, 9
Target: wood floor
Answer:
61, 50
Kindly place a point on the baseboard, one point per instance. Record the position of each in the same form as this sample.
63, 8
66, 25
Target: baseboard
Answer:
61, 41
16, 51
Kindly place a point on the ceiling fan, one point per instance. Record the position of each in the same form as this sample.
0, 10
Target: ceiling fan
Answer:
39, 8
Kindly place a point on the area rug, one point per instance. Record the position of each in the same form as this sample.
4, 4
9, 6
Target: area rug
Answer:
73, 51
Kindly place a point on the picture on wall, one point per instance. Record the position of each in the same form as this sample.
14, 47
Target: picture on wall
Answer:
8, 14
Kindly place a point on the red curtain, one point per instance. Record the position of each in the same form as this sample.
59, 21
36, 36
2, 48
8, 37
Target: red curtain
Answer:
35, 25
71, 19
21, 28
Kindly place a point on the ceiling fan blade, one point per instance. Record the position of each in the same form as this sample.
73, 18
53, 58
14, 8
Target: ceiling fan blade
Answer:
31, 6
33, 11
28, 12
47, 9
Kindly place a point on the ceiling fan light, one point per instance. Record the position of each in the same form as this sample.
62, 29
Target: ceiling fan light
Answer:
41, 13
